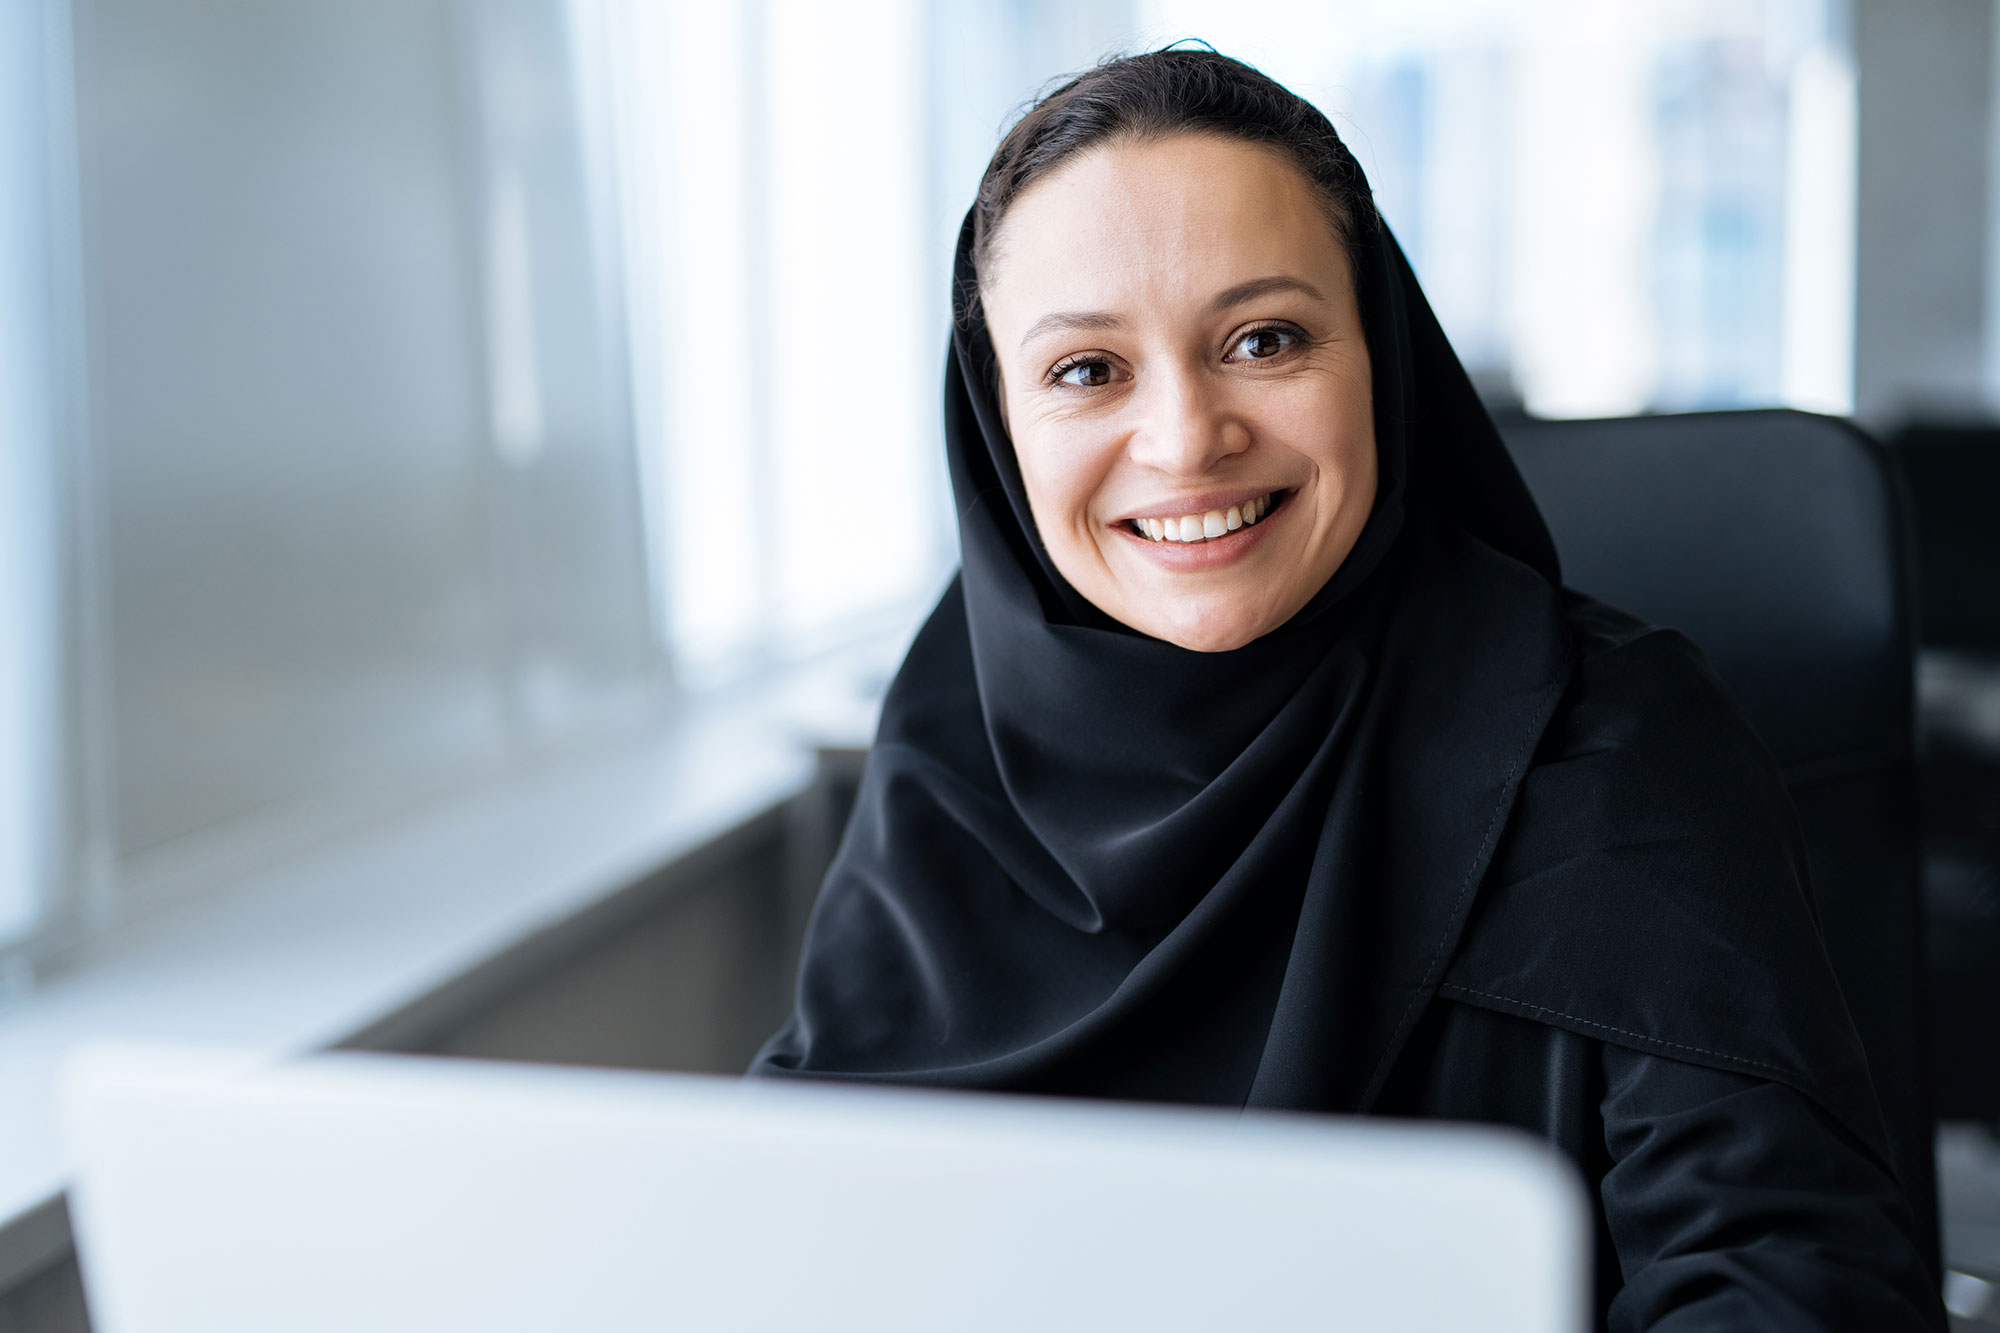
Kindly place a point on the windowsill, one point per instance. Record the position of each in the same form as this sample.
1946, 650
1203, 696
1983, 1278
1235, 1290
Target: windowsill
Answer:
356, 938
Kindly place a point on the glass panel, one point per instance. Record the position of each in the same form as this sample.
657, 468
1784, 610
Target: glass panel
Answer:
850, 356
286, 400
30, 702
701, 374
564, 484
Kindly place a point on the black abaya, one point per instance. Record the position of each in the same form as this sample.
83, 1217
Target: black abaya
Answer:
1450, 843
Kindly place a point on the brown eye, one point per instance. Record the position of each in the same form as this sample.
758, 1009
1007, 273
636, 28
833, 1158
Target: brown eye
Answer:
1263, 344
1085, 374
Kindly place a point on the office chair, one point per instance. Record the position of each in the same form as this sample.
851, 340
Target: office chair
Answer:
1953, 477
1775, 540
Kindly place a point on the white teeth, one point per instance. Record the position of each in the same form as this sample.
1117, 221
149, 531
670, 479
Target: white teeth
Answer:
1204, 527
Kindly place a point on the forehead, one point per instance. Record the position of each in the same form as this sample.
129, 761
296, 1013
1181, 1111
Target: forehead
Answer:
1134, 220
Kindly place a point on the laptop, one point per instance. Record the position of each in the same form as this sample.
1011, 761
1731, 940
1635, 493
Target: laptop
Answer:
352, 1192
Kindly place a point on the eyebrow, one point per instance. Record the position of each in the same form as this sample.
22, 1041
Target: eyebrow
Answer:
1075, 320
1256, 287
1070, 320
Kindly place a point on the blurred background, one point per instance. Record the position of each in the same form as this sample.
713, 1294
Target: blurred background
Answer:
396, 395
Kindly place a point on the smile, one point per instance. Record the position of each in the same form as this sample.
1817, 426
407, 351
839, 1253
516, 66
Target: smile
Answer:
1206, 526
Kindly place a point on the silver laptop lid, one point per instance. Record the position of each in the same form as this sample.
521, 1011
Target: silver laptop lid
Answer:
350, 1192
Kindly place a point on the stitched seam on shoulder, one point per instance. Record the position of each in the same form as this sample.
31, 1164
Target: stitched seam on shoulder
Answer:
1453, 989
1473, 873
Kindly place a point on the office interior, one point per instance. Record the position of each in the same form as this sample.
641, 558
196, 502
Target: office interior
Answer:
468, 469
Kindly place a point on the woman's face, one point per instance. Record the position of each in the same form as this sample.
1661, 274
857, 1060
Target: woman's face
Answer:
1184, 377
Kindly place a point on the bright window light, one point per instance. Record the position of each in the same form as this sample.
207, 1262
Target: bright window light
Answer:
1819, 235
846, 355
776, 220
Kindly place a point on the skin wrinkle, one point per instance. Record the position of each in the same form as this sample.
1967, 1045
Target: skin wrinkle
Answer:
1179, 248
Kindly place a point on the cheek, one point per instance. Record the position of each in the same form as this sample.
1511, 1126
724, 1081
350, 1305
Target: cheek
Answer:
1339, 427
1063, 465
1332, 424
1349, 452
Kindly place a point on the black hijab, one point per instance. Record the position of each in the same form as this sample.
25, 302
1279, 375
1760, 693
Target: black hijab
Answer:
1084, 861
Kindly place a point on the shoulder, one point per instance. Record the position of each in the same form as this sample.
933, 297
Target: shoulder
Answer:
1647, 735
1648, 789
1651, 888
1629, 669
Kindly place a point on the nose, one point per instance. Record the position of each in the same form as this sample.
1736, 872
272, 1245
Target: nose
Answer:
1185, 427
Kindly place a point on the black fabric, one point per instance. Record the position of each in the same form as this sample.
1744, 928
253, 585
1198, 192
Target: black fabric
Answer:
1726, 1201
1655, 829
1083, 861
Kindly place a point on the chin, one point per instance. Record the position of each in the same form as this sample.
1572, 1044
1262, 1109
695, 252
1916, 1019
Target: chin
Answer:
1208, 629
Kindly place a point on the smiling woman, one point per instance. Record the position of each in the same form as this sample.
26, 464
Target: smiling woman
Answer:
1258, 758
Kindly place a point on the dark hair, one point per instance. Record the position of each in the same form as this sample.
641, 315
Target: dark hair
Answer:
1177, 90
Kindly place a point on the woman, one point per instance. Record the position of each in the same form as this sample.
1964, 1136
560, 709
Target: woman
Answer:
1258, 758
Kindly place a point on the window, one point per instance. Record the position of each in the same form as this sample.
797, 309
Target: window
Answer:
30, 701
355, 516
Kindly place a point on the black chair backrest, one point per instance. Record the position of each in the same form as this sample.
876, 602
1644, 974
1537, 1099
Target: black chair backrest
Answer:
1953, 474
1952, 471
1775, 540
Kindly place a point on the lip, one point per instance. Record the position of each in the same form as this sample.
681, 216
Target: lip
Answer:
1201, 503
1215, 552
